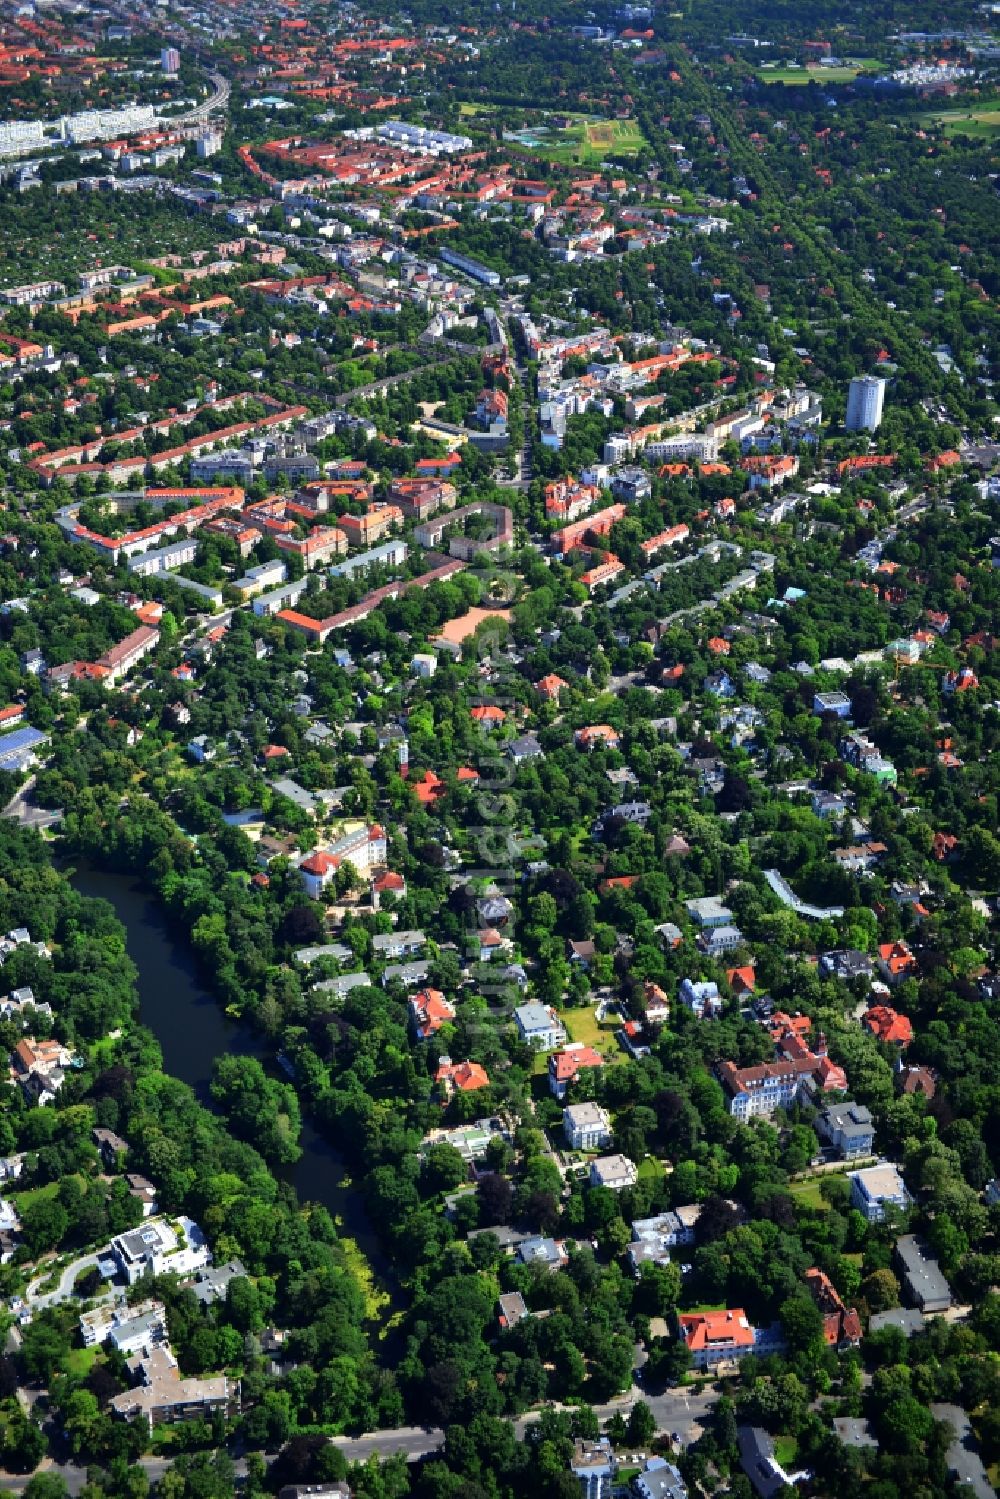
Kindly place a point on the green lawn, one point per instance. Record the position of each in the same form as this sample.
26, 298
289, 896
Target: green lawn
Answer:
79, 1361
978, 122
801, 76
583, 140
807, 1192
786, 1450
582, 1025
37, 1194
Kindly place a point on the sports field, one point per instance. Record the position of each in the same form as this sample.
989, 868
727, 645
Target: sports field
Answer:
979, 122
798, 77
580, 140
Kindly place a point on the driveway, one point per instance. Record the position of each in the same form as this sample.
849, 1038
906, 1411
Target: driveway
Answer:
65, 1287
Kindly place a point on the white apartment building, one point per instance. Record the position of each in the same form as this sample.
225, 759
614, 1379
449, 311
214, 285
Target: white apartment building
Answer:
865, 396
586, 1126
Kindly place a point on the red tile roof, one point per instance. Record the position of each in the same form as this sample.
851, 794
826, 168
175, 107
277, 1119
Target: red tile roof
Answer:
707, 1330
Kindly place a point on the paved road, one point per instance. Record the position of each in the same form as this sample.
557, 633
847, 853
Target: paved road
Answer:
217, 100
75, 1478
683, 1411
23, 810
66, 1282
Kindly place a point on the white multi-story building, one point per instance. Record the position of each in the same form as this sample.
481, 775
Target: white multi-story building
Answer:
616, 1172
107, 124
876, 1188
586, 1126
539, 1026
163, 559
865, 396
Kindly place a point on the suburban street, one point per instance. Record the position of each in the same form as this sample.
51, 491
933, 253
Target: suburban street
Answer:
678, 1410
22, 808
681, 1411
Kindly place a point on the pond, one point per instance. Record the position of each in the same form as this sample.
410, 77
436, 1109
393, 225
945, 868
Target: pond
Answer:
193, 1029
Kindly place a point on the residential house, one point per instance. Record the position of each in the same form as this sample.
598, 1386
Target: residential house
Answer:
837, 703
39, 1067
659, 1480
566, 1065
581, 953
654, 1238
387, 883
522, 749
541, 1251
316, 872
888, 1025
144, 1192
845, 963
708, 911
211, 1282
742, 980
759, 1463
849, 1129
859, 858
759, 1091
155, 1247
111, 1147
489, 944
593, 1465
595, 735
716, 941
513, 1309
896, 962
131, 1329
944, 847
398, 944
549, 687
829, 805
655, 1004
701, 997
460, 1077
841, 1325
163, 1397
916, 1080
429, 1011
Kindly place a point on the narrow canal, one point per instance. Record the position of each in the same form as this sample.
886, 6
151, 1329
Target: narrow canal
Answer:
193, 1030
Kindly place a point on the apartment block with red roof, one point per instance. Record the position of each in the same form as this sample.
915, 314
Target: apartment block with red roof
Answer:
715, 1338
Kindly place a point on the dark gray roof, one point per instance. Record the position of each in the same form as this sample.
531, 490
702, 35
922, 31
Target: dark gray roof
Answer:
759, 1462
922, 1273
963, 1458
908, 1320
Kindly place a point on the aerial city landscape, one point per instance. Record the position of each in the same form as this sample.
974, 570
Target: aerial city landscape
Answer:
499, 749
